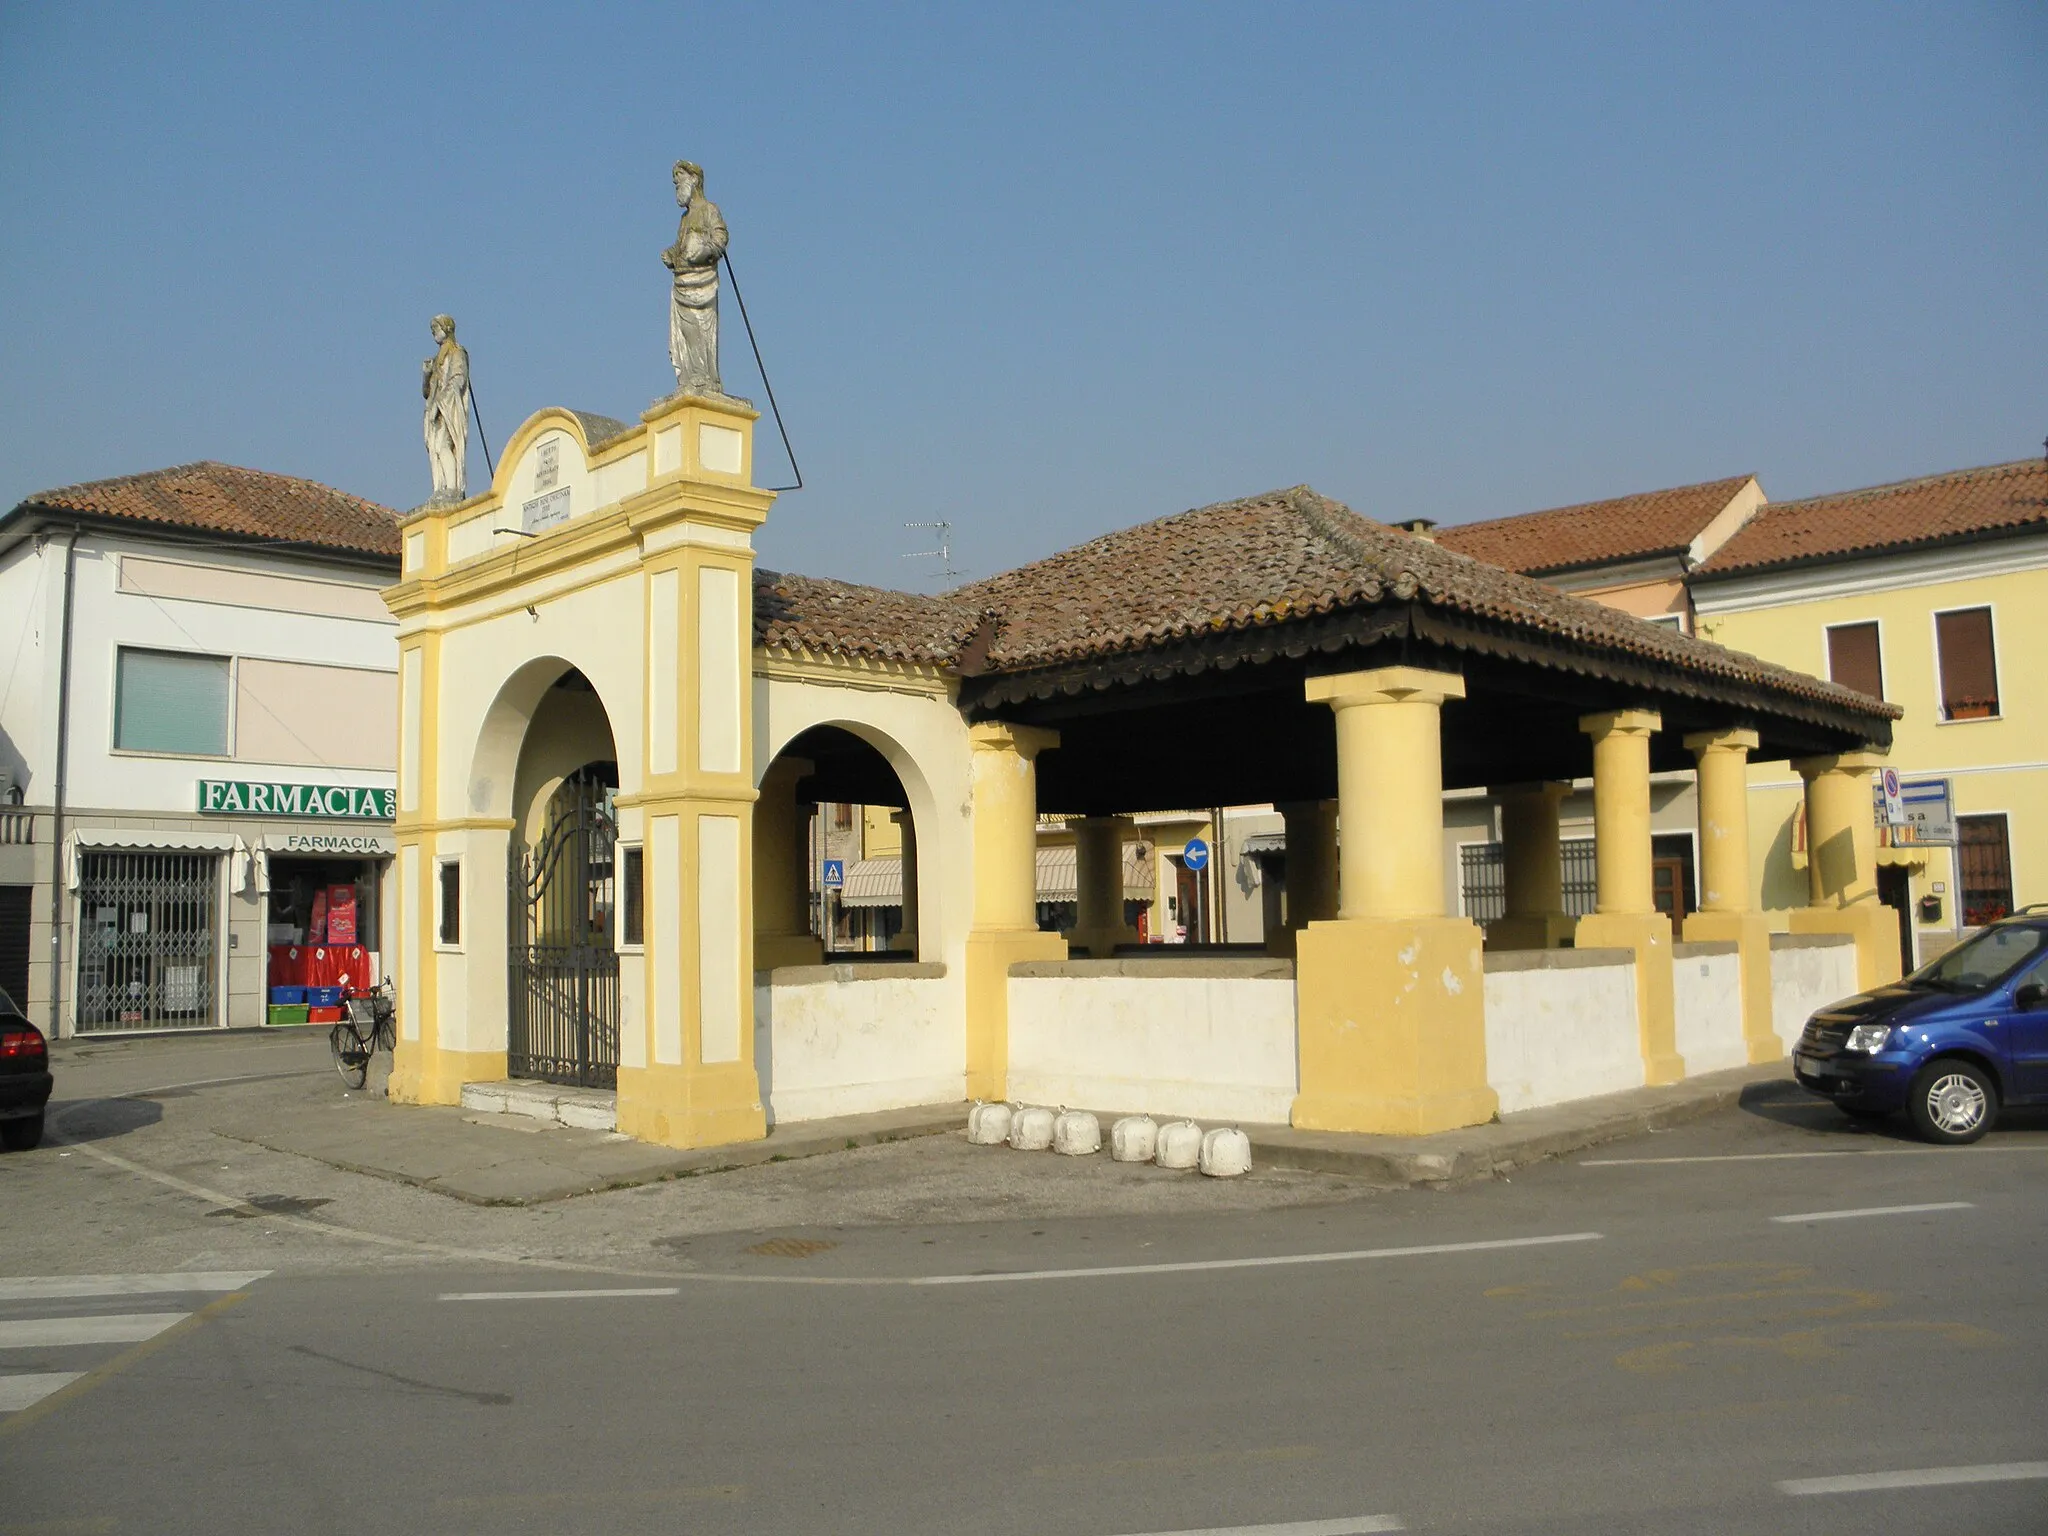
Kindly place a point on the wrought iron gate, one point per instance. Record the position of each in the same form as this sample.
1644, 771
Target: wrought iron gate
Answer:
147, 926
564, 984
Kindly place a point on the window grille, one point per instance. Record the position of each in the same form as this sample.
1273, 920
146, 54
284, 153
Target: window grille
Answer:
148, 931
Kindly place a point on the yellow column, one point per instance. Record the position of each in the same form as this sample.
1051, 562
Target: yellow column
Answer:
1532, 859
906, 936
1841, 863
1099, 924
1311, 870
1726, 913
1390, 995
1626, 915
782, 908
1005, 931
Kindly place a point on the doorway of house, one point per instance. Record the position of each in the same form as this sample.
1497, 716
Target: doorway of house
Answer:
1895, 890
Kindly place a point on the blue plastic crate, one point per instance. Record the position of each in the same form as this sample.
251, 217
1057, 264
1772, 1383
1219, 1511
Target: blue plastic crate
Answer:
323, 997
289, 997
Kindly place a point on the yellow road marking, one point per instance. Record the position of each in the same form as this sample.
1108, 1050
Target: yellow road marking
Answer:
14, 1424
556, 1498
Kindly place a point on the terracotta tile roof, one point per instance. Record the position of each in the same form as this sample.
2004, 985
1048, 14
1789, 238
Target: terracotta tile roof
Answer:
1238, 565
837, 617
246, 503
1291, 554
1595, 532
2000, 498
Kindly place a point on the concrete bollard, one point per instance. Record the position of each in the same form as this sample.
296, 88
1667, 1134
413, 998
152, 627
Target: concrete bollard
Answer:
988, 1125
1134, 1139
1076, 1133
1226, 1153
1180, 1145
1031, 1128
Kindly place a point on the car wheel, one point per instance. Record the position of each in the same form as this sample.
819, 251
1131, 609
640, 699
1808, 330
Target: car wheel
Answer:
1862, 1111
1953, 1101
20, 1135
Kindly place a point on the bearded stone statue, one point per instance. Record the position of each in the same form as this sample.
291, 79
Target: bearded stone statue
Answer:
693, 302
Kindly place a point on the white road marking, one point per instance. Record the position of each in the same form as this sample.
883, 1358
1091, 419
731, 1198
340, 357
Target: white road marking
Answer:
1878, 1210
1356, 1525
1788, 1157
48, 1287
1924, 1477
650, 1290
55, 1332
1260, 1263
31, 1387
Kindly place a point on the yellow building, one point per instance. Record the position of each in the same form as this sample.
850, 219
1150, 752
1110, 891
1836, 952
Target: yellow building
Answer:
1932, 594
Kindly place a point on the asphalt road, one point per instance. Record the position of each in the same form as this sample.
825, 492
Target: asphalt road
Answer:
1632, 1340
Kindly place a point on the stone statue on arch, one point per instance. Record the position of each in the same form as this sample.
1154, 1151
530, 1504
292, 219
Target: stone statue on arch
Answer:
693, 298
444, 385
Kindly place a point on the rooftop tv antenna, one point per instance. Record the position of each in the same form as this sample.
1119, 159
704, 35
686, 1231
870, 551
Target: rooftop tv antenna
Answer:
943, 554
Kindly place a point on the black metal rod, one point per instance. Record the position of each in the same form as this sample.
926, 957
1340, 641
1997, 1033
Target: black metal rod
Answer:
740, 298
485, 442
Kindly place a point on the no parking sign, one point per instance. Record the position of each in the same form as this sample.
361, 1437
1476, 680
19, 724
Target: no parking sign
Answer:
1894, 802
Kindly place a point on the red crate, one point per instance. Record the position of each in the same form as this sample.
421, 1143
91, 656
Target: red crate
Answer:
323, 1015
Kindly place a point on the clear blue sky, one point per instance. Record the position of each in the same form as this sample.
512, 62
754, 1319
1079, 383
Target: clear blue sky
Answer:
1044, 270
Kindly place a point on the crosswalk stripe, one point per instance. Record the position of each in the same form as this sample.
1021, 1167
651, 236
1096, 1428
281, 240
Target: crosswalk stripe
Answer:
55, 1332
56, 1287
31, 1387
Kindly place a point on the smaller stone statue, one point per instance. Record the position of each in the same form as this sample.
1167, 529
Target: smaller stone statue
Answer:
693, 305
444, 385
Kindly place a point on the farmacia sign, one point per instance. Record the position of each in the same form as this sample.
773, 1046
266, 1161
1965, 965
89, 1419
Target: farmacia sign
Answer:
339, 802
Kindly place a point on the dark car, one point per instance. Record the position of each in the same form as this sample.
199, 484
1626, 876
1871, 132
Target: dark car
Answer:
1951, 1044
24, 1078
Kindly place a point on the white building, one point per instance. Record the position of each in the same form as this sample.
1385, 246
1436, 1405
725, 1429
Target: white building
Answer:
198, 722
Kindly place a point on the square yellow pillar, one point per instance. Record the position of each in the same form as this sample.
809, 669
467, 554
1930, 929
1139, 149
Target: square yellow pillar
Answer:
782, 901
1841, 864
1099, 924
1004, 776
1726, 914
1311, 833
1390, 995
1626, 915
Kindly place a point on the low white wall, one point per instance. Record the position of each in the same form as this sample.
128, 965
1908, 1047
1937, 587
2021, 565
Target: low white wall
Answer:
1212, 1047
1708, 999
1808, 971
1561, 1024
830, 1046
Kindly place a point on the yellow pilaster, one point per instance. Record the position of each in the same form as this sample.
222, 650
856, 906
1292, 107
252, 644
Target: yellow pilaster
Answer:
1005, 789
1841, 864
782, 908
1311, 869
1726, 914
1626, 915
1099, 924
1533, 869
1390, 995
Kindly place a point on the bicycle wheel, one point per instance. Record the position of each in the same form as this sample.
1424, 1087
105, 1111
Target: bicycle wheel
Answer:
351, 1055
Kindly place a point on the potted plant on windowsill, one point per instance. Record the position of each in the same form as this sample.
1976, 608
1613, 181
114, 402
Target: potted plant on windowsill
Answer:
1972, 709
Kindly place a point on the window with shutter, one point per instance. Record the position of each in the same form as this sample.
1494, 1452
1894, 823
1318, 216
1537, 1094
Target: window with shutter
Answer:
167, 701
1986, 858
1853, 659
1969, 670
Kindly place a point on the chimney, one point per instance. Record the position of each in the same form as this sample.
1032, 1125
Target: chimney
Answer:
1421, 527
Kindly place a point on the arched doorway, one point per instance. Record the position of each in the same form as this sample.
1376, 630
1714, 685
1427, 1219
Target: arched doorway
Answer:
562, 887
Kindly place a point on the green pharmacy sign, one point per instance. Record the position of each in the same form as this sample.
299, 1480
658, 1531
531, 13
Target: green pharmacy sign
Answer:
335, 802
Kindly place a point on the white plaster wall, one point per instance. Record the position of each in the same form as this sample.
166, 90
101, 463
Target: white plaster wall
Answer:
849, 1047
1806, 978
1560, 1033
1209, 1047
1708, 996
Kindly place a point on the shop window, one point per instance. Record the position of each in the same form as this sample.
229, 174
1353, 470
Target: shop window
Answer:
631, 897
1853, 659
168, 701
1969, 666
449, 903
1986, 857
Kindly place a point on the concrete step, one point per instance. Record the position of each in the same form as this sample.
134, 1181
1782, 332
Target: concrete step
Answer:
590, 1109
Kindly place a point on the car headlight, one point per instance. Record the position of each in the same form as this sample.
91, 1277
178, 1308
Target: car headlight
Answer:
1868, 1039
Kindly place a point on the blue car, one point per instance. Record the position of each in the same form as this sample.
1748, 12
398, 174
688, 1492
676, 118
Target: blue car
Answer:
1951, 1044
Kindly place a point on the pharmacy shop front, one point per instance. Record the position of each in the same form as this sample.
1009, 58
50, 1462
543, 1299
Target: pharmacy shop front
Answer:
189, 922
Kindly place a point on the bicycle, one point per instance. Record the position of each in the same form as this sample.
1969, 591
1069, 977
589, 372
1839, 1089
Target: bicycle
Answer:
369, 1022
